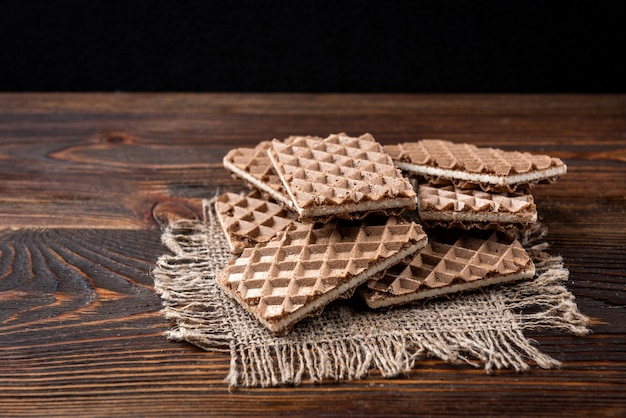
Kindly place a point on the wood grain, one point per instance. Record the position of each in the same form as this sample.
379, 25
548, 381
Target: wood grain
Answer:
87, 180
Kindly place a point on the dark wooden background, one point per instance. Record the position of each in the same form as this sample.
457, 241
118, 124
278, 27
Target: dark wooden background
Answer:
86, 179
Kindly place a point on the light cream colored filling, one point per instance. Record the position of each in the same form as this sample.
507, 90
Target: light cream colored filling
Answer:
408, 203
482, 178
478, 217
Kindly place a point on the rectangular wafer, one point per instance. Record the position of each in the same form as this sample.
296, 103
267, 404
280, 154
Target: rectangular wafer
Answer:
451, 206
461, 164
341, 176
308, 265
451, 262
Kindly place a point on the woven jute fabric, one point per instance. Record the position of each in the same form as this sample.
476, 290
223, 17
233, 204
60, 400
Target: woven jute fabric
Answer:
483, 328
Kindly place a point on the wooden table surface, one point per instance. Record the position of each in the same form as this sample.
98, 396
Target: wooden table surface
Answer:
86, 179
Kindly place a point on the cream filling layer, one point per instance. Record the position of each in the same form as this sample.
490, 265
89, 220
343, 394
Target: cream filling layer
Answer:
482, 178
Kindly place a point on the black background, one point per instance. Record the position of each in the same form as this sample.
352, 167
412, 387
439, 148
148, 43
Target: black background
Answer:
313, 46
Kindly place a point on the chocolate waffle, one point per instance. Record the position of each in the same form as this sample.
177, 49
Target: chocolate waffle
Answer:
451, 262
450, 206
309, 265
340, 176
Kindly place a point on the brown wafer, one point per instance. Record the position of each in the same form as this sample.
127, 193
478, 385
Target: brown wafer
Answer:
450, 206
250, 219
309, 265
340, 176
490, 168
451, 262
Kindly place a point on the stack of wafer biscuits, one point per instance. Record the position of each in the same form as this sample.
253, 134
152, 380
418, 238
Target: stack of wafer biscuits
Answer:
327, 216
332, 223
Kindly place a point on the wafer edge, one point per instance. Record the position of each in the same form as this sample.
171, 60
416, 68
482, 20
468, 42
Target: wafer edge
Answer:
388, 301
283, 325
367, 206
482, 178
499, 217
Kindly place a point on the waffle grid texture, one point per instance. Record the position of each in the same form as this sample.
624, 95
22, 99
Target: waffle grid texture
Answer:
348, 173
256, 162
455, 207
454, 199
250, 219
309, 265
453, 260
460, 163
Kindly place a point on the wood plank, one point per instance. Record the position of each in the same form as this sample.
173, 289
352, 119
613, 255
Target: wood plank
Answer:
82, 178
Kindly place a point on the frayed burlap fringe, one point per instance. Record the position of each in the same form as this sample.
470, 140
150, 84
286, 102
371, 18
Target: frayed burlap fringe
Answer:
348, 341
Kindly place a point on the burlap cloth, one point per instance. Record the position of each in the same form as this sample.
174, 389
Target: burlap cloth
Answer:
348, 340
